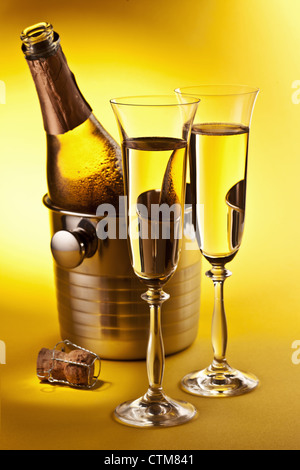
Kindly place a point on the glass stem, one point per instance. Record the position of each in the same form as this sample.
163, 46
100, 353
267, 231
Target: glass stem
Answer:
155, 352
218, 274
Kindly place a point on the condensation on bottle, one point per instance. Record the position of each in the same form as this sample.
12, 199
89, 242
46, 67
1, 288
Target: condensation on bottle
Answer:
84, 163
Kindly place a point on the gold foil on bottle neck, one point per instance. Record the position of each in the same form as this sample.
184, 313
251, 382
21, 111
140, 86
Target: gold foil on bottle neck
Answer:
62, 104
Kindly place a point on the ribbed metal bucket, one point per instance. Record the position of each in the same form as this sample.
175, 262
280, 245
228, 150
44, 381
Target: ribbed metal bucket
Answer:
99, 300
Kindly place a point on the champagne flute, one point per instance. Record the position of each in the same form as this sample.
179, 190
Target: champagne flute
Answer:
218, 156
155, 132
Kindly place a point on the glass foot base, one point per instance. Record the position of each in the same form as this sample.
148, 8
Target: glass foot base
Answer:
212, 383
167, 412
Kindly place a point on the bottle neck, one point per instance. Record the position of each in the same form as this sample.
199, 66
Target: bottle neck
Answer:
39, 41
62, 104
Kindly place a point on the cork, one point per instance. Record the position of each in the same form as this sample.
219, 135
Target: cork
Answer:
67, 368
76, 374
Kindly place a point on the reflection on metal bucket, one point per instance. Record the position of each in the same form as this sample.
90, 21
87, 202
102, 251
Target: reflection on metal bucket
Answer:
99, 296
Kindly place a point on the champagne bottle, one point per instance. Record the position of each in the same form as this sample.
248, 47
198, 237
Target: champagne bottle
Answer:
84, 163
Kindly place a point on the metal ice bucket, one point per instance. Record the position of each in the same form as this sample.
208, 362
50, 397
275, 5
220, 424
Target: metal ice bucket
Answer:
99, 296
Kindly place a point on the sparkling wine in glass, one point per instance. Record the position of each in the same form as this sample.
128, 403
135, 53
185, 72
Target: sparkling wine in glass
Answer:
155, 132
218, 158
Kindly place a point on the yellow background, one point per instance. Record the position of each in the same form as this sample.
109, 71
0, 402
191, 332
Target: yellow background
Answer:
122, 47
